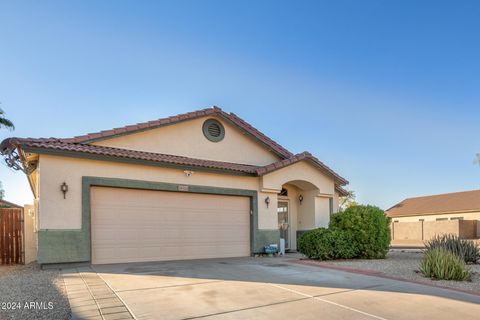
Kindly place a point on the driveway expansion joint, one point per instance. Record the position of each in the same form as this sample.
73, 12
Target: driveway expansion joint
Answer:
171, 286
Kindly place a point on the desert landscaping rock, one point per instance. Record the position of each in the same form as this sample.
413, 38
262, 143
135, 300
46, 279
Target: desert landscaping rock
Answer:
406, 264
38, 294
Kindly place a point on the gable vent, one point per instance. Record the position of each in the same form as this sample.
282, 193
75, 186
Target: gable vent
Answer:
213, 130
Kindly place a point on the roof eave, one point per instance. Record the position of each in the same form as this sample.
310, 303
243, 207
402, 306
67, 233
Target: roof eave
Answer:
93, 156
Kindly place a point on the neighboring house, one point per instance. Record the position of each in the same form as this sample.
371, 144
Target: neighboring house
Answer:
415, 220
203, 184
449, 206
6, 204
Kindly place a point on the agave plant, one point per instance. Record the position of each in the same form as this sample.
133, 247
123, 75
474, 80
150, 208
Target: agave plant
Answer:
441, 264
465, 249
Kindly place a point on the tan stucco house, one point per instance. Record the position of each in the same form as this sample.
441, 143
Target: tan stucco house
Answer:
203, 184
415, 220
439, 207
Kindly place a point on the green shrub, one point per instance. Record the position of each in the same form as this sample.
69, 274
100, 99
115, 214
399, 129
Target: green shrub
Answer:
441, 264
343, 244
465, 249
316, 244
326, 244
369, 228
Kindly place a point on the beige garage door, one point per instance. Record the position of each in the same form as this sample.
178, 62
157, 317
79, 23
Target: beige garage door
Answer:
130, 225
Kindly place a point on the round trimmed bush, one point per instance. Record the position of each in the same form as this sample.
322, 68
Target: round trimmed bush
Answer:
368, 227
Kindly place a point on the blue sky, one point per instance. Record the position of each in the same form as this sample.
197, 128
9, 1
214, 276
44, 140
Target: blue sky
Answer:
384, 92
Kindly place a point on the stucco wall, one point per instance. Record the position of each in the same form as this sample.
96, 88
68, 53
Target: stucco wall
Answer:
322, 212
58, 213
467, 229
336, 203
306, 210
426, 230
299, 171
187, 139
30, 233
407, 231
432, 217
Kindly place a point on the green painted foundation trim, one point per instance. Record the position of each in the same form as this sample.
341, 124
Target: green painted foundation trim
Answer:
66, 246
263, 238
63, 246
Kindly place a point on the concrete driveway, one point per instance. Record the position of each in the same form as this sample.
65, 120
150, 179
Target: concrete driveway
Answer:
274, 288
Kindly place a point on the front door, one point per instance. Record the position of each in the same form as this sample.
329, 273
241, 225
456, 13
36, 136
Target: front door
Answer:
284, 222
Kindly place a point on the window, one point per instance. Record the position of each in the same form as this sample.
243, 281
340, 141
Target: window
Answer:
330, 204
441, 219
283, 193
456, 218
213, 130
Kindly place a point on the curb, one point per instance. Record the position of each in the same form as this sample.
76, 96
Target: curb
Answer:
379, 275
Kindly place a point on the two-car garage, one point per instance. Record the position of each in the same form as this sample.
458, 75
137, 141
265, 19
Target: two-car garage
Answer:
134, 225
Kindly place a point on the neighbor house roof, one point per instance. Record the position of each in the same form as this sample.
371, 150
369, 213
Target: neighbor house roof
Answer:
7, 204
80, 147
437, 204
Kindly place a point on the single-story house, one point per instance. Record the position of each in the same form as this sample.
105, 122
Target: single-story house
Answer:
204, 184
418, 219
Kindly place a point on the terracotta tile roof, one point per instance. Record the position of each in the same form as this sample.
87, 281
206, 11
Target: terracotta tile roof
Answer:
80, 144
58, 145
297, 158
213, 111
435, 204
341, 191
33, 145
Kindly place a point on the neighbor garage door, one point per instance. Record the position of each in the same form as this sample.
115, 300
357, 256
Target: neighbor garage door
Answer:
130, 225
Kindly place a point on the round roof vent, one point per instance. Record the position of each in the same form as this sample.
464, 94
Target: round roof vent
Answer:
213, 130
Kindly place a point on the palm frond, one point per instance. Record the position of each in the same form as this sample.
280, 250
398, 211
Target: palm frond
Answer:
4, 122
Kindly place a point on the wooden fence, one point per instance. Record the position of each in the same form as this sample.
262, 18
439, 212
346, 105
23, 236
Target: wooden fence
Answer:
11, 236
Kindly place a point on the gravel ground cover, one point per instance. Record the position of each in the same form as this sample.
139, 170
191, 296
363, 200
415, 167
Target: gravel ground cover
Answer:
27, 292
405, 264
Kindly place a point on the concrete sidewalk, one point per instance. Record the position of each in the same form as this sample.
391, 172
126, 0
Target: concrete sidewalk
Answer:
91, 298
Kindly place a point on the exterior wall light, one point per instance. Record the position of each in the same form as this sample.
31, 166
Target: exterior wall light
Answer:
300, 198
188, 173
64, 189
267, 201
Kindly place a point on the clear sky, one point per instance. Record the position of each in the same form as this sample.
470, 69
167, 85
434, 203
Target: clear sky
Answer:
387, 93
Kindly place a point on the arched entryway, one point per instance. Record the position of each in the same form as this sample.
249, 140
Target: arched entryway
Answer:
300, 207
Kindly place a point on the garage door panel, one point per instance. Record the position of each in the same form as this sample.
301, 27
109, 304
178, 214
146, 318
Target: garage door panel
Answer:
140, 225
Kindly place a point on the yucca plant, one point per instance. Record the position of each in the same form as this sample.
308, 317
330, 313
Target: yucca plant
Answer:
441, 264
466, 249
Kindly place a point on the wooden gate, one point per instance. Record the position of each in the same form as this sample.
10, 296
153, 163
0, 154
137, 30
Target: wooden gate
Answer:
11, 236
